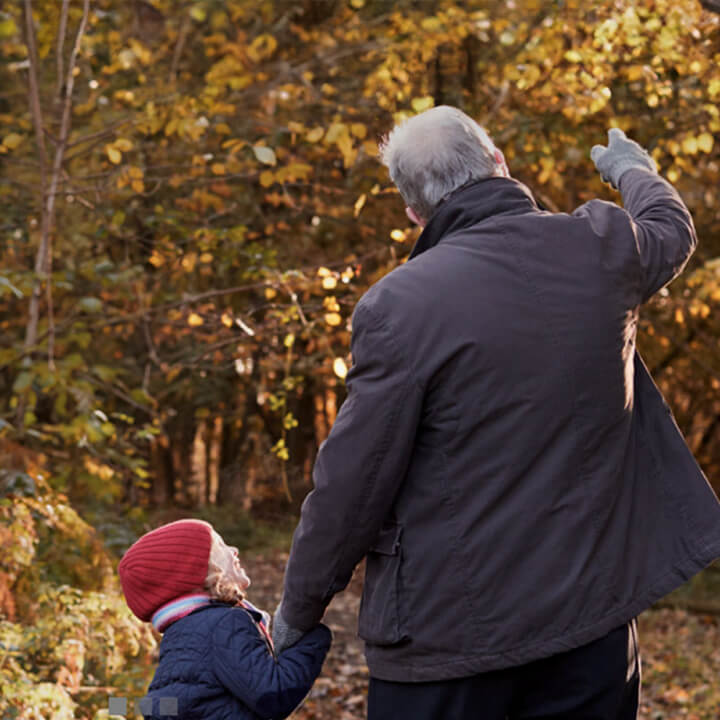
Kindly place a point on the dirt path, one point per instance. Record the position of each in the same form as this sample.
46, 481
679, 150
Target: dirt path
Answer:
341, 690
680, 651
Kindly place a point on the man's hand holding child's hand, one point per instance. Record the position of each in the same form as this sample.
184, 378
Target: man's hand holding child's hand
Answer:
283, 635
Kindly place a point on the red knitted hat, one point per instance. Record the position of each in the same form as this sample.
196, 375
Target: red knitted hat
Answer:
164, 564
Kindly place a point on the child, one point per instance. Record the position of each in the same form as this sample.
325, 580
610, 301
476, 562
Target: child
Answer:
216, 655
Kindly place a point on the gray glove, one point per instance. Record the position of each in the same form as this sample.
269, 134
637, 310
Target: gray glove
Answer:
619, 156
283, 635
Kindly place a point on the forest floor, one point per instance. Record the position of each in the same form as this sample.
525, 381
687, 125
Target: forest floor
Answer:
680, 654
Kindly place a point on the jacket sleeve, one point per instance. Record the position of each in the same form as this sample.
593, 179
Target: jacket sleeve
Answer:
243, 664
662, 225
358, 470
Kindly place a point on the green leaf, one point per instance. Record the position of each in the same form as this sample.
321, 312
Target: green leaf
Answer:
7, 286
140, 396
198, 13
91, 304
83, 339
265, 154
104, 266
422, 103
22, 381
8, 28
12, 140
72, 361
105, 373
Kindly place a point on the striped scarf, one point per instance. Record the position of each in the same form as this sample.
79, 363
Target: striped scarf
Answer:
184, 605
178, 608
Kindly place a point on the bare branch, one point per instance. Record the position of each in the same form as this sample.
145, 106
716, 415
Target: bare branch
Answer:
119, 393
70, 82
62, 27
51, 325
33, 87
499, 102
49, 214
685, 348
152, 351
294, 298
547, 201
179, 46
43, 259
100, 134
83, 201
87, 149
36, 114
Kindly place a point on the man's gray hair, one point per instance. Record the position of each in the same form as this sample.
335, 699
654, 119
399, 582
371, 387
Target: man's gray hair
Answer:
433, 153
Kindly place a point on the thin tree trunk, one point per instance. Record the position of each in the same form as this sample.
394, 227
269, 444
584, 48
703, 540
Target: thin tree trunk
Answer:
60, 60
330, 408
438, 91
321, 426
183, 32
162, 491
43, 259
708, 435
252, 469
214, 445
36, 113
470, 46
199, 465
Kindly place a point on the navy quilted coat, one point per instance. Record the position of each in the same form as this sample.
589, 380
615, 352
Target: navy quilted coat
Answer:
216, 665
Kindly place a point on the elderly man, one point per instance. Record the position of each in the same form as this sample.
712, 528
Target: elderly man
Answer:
503, 459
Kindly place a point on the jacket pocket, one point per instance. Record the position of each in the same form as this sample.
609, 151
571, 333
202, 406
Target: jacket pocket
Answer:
379, 617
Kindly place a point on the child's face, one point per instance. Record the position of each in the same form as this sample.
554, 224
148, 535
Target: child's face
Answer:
233, 570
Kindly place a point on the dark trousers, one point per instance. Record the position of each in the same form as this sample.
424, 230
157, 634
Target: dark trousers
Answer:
598, 681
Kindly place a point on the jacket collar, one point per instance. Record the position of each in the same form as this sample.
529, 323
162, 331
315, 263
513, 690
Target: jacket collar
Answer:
262, 620
472, 204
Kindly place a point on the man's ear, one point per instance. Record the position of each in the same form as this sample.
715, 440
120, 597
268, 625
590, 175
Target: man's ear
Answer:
501, 163
414, 217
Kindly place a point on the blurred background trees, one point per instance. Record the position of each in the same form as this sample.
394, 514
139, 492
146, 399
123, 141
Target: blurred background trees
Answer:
192, 204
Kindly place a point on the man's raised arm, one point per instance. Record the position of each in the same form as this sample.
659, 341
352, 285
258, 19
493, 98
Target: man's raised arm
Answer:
663, 227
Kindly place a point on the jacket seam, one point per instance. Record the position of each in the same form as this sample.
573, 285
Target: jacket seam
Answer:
457, 551
381, 452
383, 322
572, 380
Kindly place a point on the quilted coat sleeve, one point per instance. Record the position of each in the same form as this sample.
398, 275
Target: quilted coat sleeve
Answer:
358, 471
271, 688
664, 231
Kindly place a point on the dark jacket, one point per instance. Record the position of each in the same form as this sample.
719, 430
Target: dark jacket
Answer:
503, 458
217, 665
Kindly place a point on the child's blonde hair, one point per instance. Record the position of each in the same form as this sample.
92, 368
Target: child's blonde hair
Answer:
218, 585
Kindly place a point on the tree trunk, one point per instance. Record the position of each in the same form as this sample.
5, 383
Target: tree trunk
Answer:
48, 186
213, 460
